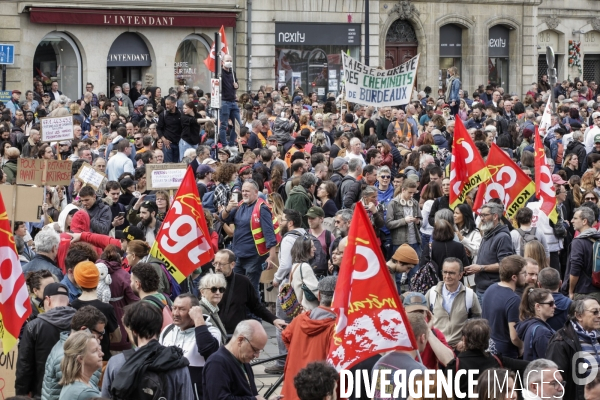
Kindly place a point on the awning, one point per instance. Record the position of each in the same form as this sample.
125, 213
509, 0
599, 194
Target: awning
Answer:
159, 19
128, 50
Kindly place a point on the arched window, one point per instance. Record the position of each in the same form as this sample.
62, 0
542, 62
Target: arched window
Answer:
189, 63
57, 59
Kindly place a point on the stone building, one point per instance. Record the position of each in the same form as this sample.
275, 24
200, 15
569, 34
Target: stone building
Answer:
295, 42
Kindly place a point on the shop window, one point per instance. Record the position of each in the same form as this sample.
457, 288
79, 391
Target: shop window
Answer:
498, 53
189, 68
57, 59
450, 52
591, 67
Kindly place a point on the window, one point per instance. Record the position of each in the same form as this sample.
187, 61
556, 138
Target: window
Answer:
57, 59
189, 68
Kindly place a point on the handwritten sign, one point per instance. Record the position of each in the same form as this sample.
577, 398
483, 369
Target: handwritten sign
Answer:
8, 368
55, 129
88, 175
215, 93
23, 203
165, 176
43, 172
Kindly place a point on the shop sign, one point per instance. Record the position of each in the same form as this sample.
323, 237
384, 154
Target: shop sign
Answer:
317, 34
498, 41
450, 41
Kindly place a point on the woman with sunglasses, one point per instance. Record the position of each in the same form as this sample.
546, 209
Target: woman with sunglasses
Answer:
537, 306
302, 273
212, 286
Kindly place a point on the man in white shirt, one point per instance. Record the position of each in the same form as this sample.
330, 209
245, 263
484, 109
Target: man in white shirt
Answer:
591, 132
55, 93
120, 162
356, 151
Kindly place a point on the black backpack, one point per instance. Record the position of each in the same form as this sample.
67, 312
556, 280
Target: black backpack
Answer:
151, 386
319, 261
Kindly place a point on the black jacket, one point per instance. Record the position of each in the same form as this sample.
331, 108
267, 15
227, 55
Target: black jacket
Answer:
227, 89
561, 348
438, 204
442, 250
350, 191
169, 125
190, 129
239, 296
38, 339
578, 148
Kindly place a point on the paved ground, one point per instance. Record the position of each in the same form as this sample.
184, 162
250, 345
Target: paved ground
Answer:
264, 381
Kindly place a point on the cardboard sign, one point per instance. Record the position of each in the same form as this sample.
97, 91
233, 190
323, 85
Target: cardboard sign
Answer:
164, 176
215, 93
56, 129
43, 172
8, 369
88, 175
23, 203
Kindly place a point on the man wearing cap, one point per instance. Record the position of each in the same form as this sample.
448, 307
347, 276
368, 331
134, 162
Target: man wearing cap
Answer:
38, 339
451, 303
403, 260
340, 170
13, 104
87, 277
138, 111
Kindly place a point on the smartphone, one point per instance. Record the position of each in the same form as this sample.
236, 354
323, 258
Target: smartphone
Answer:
121, 214
236, 197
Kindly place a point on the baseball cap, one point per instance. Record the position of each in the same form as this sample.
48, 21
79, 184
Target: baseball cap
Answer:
226, 151
204, 169
575, 125
414, 301
138, 103
130, 233
46, 93
557, 180
597, 138
54, 289
338, 163
315, 212
209, 161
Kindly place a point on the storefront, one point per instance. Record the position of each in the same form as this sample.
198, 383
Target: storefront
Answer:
498, 56
450, 52
308, 55
111, 47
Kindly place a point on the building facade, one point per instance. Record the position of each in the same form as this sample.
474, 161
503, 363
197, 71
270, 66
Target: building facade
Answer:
296, 42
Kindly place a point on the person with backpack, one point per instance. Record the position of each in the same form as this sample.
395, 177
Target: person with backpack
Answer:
537, 306
152, 367
582, 276
525, 233
452, 303
316, 216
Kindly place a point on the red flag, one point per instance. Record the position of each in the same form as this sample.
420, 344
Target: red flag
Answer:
210, 60
371, 318
15, 306
467, 169
544, 187
183, 242
507, 182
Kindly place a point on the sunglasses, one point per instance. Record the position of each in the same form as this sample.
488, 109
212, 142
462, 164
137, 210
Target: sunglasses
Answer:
215, 289
595, 312
550, 303
589, 198
385, 176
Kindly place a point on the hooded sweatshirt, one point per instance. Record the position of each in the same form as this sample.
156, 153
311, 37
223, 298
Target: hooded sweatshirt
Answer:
299, 200
535, 335
79, 223
580, 262
495, 246
307, 339
561, 312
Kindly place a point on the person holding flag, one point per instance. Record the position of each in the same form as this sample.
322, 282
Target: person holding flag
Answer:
229, 106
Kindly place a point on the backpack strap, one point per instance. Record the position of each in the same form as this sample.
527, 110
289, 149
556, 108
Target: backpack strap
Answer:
533, 335
432, 298
498, 360
166, 332
153, 299
128, 353
469, 300
327, 241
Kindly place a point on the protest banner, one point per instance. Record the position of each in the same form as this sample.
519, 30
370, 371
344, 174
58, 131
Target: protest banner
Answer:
8, 369
379, 87
40, 172
544, 186
164, 176
89, 176
55, 129
23, 203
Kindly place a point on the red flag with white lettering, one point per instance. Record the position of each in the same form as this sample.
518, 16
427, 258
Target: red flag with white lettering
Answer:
544, 187
210, 60
183, 242
467, 169
371, 319
15, 306
507, 182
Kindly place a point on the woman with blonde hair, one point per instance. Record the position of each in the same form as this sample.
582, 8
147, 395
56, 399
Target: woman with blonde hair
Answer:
535, 250
212, 286
463, 110
83, 357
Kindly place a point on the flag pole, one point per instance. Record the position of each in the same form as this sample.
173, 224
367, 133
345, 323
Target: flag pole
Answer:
217, 70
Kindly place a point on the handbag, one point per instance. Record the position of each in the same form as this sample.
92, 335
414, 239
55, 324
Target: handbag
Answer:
288, 300
308, 294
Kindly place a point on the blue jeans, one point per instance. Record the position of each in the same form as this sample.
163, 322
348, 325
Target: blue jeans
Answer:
172, 154
280, 345
229, 110
252, 268
183, 146
425, 239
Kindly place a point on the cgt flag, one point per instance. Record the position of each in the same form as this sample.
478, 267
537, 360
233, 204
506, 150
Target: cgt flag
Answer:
371, 318
15, 306
183, 242
210, 60
507, 182
544, 187
467, 169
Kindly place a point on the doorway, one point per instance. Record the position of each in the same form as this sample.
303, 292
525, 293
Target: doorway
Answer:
116, 76
401, 44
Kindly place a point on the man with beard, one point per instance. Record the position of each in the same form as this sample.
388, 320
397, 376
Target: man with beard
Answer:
496, 244
149, 224
502, 306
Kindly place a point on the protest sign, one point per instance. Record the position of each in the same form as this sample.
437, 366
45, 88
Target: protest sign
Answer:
8, 369
215, 93
89, 176
43, 172
23, 203
379, 87
164, 176
55, 129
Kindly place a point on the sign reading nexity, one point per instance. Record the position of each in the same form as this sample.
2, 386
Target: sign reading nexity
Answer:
292, 33
498, 41
7, 53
